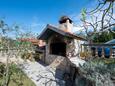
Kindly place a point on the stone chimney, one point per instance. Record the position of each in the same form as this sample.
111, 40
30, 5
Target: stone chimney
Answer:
66, 24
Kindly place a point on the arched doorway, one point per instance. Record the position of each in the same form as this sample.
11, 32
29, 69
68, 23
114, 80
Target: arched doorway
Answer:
58, 47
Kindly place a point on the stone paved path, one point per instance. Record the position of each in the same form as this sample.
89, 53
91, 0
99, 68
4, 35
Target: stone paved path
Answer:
41, 75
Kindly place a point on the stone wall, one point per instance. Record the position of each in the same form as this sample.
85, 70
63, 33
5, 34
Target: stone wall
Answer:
74, 48
58, 62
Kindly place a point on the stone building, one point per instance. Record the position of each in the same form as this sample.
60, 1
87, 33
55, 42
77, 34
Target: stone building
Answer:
61, 44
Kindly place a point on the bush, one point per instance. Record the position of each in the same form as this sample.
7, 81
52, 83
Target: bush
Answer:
37, 56
27, 55
16, 77
2, 69
100, 71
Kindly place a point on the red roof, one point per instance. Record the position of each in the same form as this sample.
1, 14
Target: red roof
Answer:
33, 41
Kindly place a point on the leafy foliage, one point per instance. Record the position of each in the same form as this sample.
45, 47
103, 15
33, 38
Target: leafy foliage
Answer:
10, 48
103, 37
83, 13
16, 76
2, 70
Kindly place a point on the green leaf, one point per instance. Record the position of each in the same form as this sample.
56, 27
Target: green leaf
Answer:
83, 13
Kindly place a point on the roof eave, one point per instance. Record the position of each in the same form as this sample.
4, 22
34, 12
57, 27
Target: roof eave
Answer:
59, 31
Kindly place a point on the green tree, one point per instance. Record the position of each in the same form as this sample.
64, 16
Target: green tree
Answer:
103, 37
8, 43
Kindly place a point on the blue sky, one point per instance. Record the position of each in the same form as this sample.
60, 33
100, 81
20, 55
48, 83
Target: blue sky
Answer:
37, 13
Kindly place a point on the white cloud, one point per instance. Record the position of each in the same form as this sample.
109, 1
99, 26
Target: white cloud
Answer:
77, 29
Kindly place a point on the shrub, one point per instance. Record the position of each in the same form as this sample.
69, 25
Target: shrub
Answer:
16, 77
100, 71
27, 55
2, 69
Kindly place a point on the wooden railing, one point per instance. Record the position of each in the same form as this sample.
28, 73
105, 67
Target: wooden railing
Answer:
94, 50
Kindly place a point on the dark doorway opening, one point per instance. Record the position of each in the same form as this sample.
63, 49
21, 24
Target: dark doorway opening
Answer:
58, 49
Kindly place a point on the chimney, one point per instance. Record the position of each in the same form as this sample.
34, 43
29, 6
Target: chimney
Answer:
66, 24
